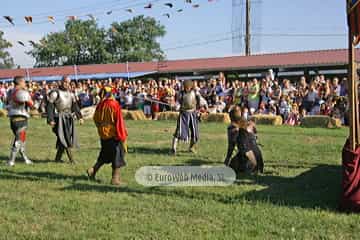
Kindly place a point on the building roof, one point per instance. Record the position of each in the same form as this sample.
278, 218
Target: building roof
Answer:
321, 58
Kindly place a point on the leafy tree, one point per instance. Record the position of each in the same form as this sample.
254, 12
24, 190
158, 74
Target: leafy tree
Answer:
6, 61
82, 42
135, 40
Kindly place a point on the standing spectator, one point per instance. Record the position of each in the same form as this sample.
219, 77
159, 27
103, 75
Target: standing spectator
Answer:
254, 95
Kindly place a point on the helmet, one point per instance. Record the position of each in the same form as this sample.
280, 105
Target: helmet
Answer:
106, 91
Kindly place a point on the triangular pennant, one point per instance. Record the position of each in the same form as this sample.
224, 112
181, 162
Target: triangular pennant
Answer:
51, 19
10, 20
28, 19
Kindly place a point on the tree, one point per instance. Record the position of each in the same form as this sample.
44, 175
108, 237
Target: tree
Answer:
6, 61
82, 42
135, 40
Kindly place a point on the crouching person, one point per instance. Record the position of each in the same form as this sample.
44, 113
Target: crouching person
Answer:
112, 132
242, 134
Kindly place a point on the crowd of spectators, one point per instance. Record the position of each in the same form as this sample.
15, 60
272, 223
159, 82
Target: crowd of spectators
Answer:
291, 100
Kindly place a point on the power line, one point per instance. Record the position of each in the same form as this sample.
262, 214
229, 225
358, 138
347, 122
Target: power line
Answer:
203, 43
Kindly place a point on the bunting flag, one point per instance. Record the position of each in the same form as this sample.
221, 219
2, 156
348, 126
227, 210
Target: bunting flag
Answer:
354, 19
353, 14
51, 19
72, 18
10, 20
21, 43
28, 19
91, 17
32, 43
149, 6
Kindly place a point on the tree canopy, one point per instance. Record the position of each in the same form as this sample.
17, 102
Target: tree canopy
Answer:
84, 42
6, 61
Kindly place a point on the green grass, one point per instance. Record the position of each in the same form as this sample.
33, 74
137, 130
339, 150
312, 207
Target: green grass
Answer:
296, 198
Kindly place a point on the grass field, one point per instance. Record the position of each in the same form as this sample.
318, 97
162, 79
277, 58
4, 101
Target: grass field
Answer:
296, 197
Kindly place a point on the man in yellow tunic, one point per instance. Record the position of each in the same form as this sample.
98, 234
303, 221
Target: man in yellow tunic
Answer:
112, 132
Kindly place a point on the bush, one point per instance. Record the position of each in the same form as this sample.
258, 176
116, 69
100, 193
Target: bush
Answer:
267, 119
321, 121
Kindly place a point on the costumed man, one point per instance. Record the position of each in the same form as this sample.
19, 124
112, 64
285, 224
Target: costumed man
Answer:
61, 108
242, 134
19, 102
112, 132
188, 123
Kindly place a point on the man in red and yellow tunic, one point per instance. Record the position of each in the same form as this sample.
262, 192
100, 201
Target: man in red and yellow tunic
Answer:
112, 132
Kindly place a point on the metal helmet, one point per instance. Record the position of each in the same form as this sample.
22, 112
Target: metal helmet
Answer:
22, 96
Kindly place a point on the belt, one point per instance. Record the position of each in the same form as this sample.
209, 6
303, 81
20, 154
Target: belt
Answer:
103, 124
18, 119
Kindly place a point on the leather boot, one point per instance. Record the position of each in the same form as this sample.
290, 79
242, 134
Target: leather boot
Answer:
91, 172
59, 154
70, 155
115, 177
192, 147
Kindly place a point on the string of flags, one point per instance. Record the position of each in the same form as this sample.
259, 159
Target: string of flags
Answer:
52, 19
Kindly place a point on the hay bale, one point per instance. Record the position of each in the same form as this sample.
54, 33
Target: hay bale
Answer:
134, 115
88, 113
3, 113
320, 121
34, 113
218, 117
267, 119
168, 116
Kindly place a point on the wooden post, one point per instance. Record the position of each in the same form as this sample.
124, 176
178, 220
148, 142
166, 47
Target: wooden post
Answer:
248, 31
353, 96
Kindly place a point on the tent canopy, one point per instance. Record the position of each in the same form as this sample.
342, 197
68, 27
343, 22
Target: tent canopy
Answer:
88, 76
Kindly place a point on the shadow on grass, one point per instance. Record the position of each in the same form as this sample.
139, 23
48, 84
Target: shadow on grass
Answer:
36, 176
317, 188
199, 162
150, 151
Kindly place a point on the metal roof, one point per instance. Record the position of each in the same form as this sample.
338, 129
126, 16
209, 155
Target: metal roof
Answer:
321, 58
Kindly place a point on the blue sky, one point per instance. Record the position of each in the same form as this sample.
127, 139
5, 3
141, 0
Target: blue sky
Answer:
276, 22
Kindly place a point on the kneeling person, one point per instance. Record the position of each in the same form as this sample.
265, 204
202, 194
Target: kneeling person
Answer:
112, 131
19, 100
242, 135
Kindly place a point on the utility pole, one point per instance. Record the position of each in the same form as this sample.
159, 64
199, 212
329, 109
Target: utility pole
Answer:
248, 34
